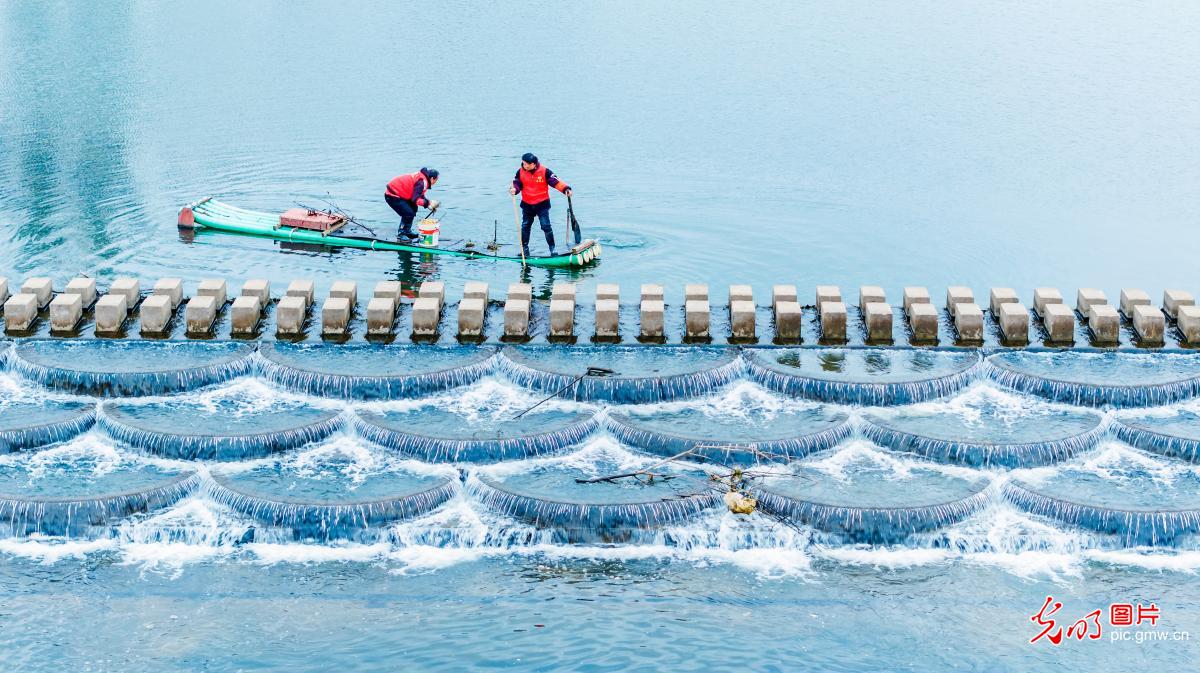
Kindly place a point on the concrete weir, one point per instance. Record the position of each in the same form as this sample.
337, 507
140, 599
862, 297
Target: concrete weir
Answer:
568, 313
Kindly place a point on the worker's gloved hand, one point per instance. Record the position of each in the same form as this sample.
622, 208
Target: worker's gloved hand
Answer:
568, 191
433, 205
512, 190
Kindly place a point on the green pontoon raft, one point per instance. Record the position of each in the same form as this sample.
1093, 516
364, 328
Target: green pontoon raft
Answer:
312, 227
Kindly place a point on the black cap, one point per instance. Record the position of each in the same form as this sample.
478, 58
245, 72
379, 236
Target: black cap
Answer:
529, 158
430, 173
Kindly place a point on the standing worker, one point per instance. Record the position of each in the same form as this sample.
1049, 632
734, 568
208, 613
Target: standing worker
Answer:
533, 182
405, 193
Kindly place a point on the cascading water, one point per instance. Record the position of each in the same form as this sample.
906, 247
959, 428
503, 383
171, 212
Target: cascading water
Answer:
303, 475
1176, 435
638, 375
745, 425
331, 491
531, 436
1116, 492
227, 432
25, 425
863, 376
74, 489
373, 372
118, 368
868, 497
550, 494
987, 428
1099, 379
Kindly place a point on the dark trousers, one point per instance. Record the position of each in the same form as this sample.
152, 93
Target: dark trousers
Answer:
542, 212
407, 210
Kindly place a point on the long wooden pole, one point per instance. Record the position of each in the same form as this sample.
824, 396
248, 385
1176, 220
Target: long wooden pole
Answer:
520, 239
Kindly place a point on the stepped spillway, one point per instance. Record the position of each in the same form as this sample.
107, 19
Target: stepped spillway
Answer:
224, 430
115, 368
863, 376
638, 375
372, 372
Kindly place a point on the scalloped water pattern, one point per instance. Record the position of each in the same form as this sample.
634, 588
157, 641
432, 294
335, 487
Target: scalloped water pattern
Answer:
76, 516
32, 424
115, 368
532, 436
194, 432
994, 444
864, 500
588, 521
1176, 436
373, 372
640, 375
658, 415
877, 525
328, 521
815, 431
872, 377
1099, 379
1145, 526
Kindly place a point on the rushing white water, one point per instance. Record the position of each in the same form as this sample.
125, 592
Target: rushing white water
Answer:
209, 518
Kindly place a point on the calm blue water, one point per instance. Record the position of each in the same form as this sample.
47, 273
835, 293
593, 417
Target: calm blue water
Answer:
918, 143
793, 143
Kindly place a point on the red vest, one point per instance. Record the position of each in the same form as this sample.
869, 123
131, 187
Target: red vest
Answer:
401, 186
533, 185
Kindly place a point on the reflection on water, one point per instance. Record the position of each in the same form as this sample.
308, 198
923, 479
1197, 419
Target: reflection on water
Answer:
101, 140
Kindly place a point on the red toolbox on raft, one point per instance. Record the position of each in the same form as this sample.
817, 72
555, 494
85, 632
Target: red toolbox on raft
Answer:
315, 220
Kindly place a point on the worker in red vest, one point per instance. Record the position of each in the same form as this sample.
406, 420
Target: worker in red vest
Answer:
405, 193
533, 182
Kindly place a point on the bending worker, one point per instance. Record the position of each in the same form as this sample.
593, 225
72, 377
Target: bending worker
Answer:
405, 193
533, 182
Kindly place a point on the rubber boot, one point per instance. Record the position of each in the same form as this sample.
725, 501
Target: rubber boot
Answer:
550, 242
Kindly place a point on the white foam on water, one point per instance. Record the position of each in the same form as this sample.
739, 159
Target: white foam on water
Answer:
51, 550
1053, 566
885, 557
856, 454
169, 558
242, 396
489, 398
742, 399
1006, 406
416, 559
601, 449
1148, 559
267, 553
1114, 461
92, 452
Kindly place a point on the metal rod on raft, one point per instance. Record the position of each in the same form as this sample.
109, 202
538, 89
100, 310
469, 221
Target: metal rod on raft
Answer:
520, 239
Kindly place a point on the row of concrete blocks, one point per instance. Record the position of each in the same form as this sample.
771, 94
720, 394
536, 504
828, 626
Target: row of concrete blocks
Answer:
1012, 317
66, 308
652, 311
157, 310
